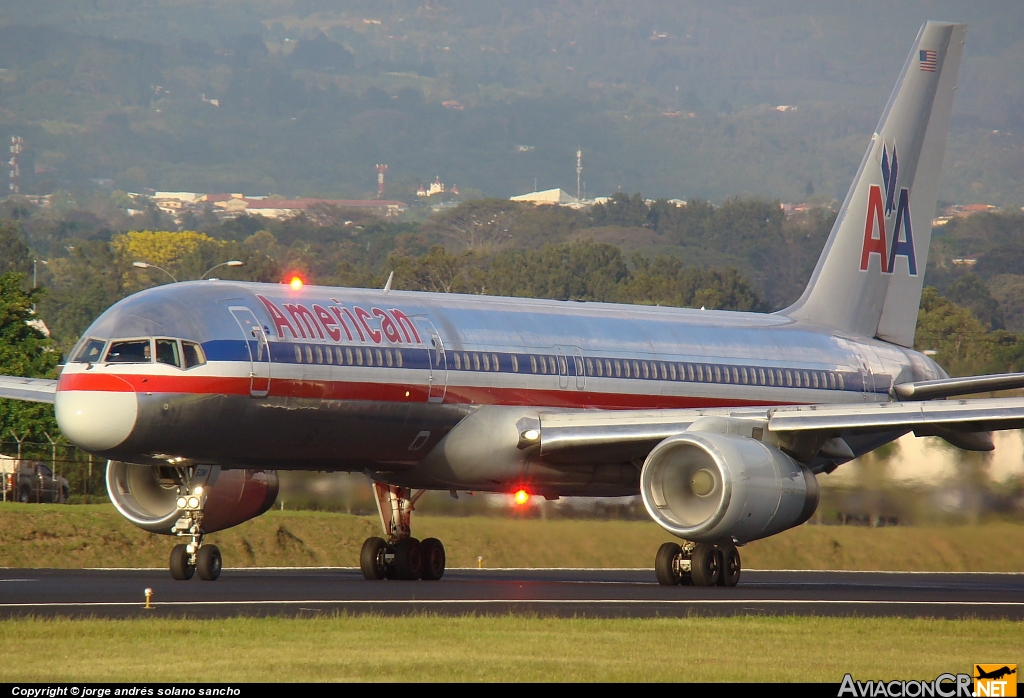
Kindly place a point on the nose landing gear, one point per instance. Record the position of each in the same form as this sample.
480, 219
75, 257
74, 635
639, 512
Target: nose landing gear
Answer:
192, 557
697, 564
400, 556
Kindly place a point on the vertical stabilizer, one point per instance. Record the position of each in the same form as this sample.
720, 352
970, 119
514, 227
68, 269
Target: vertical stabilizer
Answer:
869, 277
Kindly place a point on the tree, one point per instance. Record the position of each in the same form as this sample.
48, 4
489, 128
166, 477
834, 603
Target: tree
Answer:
666, 281
179, 253
14, 253
24, 351
959, 340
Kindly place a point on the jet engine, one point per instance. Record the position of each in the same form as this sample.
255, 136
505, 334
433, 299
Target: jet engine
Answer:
148, 496
711, 487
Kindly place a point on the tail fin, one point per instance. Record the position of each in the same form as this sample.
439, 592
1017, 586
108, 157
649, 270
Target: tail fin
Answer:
869, 277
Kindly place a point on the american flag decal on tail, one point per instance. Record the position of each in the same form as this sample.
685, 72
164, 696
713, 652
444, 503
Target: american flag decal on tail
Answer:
929, 60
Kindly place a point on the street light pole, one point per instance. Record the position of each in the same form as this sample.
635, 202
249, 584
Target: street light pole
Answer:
147, 265
232, 263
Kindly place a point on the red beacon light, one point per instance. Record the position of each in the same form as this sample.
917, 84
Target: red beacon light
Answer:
296, 283
521, 497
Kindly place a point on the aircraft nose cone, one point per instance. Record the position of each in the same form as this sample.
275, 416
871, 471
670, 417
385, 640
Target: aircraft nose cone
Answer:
96, 420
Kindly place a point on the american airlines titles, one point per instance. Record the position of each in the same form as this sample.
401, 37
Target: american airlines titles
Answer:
338, 323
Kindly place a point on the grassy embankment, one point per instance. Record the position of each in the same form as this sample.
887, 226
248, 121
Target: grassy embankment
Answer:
506, 648
36, 535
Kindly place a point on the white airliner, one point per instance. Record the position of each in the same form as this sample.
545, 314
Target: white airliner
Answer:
199, 392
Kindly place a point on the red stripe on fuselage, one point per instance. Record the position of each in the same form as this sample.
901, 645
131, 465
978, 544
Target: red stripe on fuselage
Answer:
388, 392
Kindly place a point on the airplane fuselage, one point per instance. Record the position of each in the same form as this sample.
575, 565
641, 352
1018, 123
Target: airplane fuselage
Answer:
328, 378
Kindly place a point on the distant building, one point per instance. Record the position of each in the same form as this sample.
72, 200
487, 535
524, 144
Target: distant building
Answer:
549, 196
435, 187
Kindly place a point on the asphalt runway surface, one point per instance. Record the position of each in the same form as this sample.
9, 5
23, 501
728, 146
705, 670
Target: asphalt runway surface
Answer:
119, 593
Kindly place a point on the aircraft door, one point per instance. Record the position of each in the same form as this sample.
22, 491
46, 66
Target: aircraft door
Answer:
563, 368
581, 374
866, 380
570, 367
437, 361
259, 350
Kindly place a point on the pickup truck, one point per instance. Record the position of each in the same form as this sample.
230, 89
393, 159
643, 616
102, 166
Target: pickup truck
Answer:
31, 481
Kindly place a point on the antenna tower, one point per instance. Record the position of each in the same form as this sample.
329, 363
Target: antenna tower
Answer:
15, 168
579, 170
381, 169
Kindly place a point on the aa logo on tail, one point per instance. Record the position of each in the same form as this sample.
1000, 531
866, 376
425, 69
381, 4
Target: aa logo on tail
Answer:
886, 208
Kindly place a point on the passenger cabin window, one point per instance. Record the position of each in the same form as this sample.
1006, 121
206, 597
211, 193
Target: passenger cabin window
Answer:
133, 351
91, 352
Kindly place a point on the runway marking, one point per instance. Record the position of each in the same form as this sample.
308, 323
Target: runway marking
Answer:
19, 580
484, 570
468, 602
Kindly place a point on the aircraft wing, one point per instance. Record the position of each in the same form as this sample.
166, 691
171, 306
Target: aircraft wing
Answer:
28, 389
605, 436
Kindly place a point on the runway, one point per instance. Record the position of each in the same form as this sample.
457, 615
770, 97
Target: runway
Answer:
634, 593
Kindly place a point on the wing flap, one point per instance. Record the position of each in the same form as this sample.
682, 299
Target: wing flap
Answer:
620, 436
28, 389
963, 415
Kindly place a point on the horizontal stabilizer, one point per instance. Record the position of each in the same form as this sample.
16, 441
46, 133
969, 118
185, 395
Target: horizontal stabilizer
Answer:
951, 387
28, 389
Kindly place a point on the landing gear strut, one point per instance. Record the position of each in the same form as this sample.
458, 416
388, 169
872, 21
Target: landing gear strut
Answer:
697, 564
194, 556
400, 556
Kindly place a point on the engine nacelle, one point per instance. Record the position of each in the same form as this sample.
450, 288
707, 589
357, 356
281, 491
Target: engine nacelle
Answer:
710, 487
147, 496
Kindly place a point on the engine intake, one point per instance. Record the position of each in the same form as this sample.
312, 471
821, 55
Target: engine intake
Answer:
710, 487
146, 497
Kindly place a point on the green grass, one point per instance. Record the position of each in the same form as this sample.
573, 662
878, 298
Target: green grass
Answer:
505, 648
39, 535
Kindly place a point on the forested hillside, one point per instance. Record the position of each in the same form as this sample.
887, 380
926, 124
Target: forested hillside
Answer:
742, 255
672, 98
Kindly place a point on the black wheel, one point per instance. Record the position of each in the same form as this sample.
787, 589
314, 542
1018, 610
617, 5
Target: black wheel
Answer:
705, 565
408, 559
23, 497
730, 566
432, 553
180, 567
665, 567
371, 558
209, 563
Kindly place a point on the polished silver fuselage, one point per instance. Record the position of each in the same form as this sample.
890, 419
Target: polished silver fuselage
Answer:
363, 380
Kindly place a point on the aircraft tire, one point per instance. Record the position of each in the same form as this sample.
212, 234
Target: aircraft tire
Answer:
432, 552
705, 567
408, 559
729, 566
209, 562
371, 558
664, 564
180, 567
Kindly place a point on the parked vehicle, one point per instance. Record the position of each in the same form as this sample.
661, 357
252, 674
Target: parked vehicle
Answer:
31, 481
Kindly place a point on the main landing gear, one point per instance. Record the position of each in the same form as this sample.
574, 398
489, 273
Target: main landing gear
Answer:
697, 564
400, 556
192, 557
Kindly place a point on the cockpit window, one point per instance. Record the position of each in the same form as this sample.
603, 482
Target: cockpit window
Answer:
133, 351
167, 352
193, 354
91, 352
